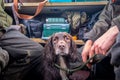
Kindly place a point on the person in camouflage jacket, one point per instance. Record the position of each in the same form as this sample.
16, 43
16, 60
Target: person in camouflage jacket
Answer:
104, 39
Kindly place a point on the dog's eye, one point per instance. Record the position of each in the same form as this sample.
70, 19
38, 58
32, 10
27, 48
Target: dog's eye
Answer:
67, 38
55, 39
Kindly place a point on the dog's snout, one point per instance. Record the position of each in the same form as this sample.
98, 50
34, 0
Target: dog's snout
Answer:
61, 45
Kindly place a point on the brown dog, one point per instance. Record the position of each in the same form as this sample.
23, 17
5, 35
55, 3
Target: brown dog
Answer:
61, 50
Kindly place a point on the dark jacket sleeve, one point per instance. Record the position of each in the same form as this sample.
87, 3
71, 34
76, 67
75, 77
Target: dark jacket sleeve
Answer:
103, 23
116, 21
115, 52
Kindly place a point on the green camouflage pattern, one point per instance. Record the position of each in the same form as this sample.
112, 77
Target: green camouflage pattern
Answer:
5, 19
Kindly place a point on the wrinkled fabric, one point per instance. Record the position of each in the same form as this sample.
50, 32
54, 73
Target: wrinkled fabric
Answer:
4, 58
24, 56
115, 52
109, 17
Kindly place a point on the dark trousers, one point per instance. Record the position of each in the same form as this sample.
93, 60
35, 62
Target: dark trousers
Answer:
103, 70
109, 68
24, 56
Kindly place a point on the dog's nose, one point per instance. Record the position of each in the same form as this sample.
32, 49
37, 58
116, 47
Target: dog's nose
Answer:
61, 45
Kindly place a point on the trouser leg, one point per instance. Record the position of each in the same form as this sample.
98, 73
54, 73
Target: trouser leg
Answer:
25, 55
117, 73
115, 57
102, 70
113, 64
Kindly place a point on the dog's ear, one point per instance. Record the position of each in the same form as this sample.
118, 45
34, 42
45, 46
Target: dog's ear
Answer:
49, 49
73, 50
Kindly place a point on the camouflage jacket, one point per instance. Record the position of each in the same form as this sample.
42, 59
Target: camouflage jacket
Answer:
5, 19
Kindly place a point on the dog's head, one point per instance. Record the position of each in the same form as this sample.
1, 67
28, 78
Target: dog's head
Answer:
60, 43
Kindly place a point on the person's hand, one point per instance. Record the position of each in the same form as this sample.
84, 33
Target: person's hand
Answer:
86, 51
101, 45
104, 43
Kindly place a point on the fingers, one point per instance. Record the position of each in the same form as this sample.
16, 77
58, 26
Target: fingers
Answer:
84, 56
88, 54
98, 48
91, 53
85, 52
89, 65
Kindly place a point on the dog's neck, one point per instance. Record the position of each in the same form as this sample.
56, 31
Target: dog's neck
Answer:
63, 74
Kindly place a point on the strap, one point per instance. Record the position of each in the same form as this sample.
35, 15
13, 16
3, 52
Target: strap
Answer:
24, 16
80, 67
15, 16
